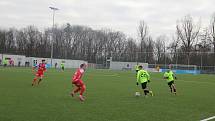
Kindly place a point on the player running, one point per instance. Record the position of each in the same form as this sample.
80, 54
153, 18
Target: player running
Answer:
170, 77
143, 78
79, 84
40, 72
62, 66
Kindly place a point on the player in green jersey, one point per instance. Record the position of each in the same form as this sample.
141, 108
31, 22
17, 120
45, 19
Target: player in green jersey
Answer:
170, 77
62, 65
143, 78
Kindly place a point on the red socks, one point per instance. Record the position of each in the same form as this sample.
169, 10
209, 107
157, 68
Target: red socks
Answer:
83, 88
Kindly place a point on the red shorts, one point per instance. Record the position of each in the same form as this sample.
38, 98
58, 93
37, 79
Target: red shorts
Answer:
78, 83
39, 74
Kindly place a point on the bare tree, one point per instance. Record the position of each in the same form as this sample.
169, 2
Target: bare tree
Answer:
10, 40
204, 46
160, 48
212, 27
187, 32
174, 49
143, 35
149, 50
2, 41
130, 50
205, 41
21, 41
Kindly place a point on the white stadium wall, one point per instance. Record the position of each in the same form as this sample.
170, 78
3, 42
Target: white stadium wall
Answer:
114, 65
15, 58
68, 63
23, 59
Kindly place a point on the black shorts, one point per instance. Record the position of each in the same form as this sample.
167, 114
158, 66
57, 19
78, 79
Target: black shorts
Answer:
144, 85
170, 83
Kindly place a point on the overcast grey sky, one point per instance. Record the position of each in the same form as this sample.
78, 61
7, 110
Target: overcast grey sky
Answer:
122, 15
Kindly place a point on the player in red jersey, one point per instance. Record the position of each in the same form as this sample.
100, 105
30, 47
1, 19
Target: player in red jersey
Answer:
40, 72
79, 84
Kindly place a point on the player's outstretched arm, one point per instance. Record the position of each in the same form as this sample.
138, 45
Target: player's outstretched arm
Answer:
175, 77
138, 78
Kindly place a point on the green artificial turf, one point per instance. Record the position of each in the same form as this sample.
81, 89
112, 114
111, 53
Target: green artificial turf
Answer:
110, 96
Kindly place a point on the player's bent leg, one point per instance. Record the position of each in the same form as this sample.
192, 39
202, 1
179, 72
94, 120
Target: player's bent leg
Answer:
81, 98
174, 88
170, 87
75, 90
41, 78
39, 81
83, 88
144, 87
34, 80
151, 93
146, 91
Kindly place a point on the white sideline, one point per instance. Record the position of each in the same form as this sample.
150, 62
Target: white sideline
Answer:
207, 119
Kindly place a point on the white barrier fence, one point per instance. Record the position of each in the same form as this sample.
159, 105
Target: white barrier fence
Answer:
21, 60
114, 65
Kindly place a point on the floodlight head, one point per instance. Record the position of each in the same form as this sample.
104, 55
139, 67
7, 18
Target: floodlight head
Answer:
53, 8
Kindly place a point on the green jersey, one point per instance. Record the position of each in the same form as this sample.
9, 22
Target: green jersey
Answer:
62, 64
169, 75
5, 61
142, 76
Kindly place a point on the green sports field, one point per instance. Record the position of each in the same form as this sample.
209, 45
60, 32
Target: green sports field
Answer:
109, 97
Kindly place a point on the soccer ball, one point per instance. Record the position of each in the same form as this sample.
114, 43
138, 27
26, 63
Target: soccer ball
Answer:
137, 94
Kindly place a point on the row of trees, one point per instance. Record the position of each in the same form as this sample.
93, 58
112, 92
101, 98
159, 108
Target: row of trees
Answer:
187, 46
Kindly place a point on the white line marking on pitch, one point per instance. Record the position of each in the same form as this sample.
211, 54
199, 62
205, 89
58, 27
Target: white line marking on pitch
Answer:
207, 119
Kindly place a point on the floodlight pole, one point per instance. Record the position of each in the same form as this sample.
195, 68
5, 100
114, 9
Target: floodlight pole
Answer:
52, 46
